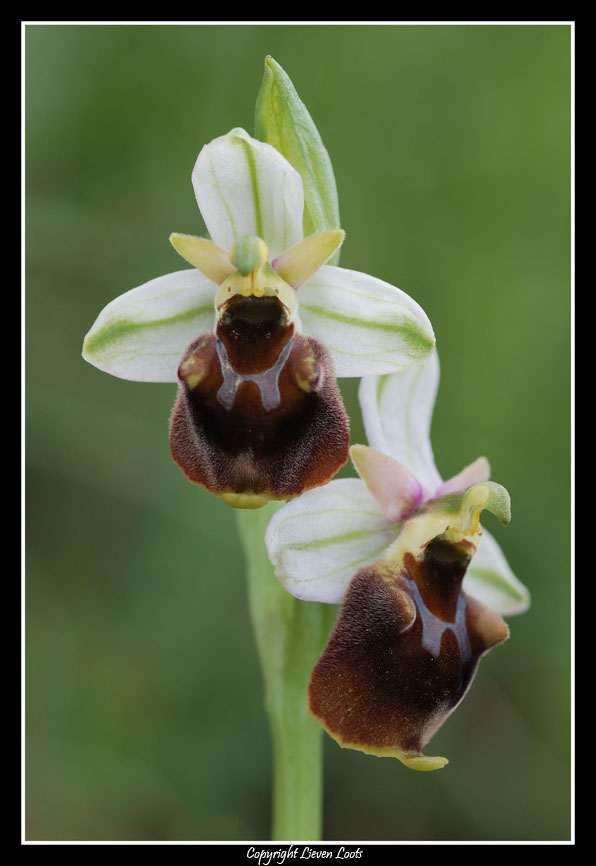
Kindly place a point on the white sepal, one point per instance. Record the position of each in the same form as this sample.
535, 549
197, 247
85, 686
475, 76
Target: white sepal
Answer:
142, 334
397, 412
370, 326
318, 541
489, 579
245, 187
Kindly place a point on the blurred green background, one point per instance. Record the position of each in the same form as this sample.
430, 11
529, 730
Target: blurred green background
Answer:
451, 149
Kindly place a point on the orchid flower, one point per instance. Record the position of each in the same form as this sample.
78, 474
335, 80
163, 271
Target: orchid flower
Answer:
256, 332
422, 585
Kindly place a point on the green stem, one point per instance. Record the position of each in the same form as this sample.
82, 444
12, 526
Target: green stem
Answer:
290, 636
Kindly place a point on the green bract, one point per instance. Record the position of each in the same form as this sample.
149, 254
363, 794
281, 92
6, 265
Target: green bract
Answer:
281, 119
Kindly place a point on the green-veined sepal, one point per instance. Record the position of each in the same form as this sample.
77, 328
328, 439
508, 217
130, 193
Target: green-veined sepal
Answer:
142, 334
317, 542
369, 326
491, 580
246, 187
397, 413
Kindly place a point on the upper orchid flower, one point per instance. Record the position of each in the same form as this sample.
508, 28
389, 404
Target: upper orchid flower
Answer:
256, 332
422, 585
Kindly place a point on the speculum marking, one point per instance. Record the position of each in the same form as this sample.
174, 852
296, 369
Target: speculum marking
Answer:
433, 627
267, 381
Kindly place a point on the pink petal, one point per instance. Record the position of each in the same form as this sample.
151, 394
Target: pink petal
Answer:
475, 473
397, 492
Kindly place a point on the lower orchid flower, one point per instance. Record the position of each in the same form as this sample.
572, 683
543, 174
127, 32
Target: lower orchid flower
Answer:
422, 586
256, 332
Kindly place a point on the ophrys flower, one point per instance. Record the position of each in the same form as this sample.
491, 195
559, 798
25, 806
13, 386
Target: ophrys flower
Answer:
256, 332
422, 586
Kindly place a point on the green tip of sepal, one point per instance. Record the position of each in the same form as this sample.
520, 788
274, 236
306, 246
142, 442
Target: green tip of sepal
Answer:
282, 120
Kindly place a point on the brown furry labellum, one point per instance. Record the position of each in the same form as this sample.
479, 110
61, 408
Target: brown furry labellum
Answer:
403, 654
258, 414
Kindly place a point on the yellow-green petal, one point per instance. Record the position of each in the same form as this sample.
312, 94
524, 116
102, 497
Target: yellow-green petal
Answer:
300, 262
207, 257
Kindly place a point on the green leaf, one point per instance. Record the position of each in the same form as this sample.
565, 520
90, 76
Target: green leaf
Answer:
282, 120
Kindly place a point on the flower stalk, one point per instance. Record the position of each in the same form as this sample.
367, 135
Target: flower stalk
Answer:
290, 635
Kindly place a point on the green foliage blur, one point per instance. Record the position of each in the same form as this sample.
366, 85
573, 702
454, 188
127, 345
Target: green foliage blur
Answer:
451, 149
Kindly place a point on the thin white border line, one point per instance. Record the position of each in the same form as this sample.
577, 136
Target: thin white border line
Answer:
572, 430
303, 23
23, 798
308, 844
